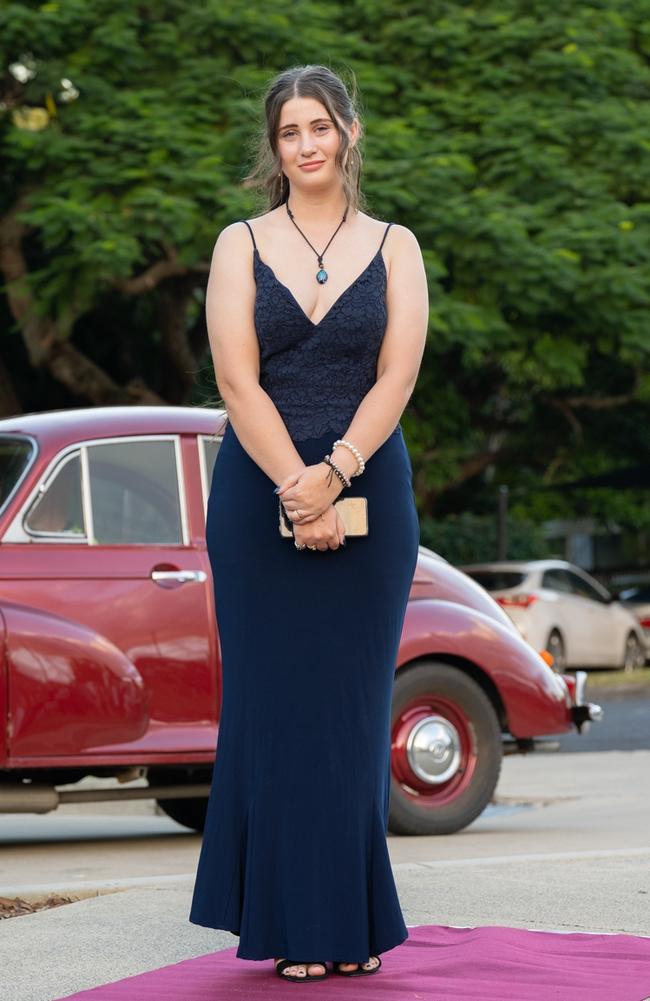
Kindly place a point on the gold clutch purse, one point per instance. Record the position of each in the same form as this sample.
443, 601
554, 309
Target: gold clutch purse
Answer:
353, 511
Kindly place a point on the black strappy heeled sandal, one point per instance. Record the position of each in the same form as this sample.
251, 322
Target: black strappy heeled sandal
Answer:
285, 963
359, 972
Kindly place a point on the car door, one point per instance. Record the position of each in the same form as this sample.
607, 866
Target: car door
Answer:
104, 543
565, 613
595, 616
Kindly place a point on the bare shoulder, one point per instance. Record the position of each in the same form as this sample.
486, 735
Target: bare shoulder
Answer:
233, 237
403, 237
232, 257
236, 238
402, 252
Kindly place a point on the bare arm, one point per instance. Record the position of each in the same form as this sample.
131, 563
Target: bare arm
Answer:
401, 352
230, 300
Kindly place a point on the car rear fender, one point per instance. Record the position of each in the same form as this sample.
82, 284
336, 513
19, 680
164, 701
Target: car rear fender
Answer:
68, 687
529, 696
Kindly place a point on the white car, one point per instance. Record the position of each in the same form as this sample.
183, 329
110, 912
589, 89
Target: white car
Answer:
560, 608
637, 600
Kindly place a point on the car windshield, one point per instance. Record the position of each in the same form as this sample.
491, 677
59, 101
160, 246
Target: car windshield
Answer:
639, 594
497, 580
15, 455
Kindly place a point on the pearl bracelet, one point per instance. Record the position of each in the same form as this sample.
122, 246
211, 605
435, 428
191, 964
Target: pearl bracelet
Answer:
356, 453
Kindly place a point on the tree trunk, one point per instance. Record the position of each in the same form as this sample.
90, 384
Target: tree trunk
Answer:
46, 348
83, 377
181, 364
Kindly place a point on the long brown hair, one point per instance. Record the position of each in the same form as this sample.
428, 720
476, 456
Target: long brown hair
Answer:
327, 87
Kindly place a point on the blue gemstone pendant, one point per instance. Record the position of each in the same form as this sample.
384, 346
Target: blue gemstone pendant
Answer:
321, 276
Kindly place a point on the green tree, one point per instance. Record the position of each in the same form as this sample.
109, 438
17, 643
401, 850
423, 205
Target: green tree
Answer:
511, 136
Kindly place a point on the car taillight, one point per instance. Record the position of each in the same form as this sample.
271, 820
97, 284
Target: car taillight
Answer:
645, 623
517, 600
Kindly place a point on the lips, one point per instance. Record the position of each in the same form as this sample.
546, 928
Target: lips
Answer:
312, 163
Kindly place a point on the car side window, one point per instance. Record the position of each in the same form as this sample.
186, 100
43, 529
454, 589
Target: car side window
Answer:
584, 589
16, 456
556, 580
58, 510
134, 493
209, 448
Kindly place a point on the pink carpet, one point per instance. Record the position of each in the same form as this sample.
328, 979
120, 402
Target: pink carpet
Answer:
436, 963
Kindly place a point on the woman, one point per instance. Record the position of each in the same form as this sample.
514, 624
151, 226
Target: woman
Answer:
317, 317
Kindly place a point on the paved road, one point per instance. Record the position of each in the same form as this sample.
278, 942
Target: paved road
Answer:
625, 725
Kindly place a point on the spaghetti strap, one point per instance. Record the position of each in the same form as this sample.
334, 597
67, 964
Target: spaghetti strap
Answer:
385, 235
251, 233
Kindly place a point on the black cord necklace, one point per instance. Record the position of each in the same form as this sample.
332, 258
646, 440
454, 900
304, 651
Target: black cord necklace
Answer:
321, 274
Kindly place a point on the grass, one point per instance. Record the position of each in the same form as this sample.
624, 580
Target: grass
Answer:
619, 679
13, 907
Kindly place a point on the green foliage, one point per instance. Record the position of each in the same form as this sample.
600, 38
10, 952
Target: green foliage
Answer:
512, 137
470, 538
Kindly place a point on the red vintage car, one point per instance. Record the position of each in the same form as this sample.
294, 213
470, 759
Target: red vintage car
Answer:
109, 653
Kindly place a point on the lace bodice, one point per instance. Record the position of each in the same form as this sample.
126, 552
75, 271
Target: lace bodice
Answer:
318, 373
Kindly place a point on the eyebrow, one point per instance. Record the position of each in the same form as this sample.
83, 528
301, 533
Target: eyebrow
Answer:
313, 122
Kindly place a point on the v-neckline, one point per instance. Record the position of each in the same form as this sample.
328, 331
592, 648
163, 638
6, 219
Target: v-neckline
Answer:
338, 298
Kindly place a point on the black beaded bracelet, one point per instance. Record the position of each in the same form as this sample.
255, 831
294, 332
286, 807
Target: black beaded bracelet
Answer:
339, 472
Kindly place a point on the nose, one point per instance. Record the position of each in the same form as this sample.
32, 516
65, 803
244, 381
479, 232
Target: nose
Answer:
307, 146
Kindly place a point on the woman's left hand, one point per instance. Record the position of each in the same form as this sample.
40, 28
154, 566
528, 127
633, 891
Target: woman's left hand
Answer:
308, 492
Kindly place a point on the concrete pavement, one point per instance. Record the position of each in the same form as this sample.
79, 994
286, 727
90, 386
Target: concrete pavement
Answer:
568, 848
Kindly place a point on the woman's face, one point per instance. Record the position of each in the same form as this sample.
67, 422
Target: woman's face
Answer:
307, 135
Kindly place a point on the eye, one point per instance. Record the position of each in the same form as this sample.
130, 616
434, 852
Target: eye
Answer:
292, 132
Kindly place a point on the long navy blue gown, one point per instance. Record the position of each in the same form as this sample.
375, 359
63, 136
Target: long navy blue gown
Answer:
294, 858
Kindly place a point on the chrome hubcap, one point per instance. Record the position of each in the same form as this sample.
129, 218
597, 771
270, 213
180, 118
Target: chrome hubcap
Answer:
434, 750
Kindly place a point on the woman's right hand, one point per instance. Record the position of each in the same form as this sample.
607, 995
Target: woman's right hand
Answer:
325, 532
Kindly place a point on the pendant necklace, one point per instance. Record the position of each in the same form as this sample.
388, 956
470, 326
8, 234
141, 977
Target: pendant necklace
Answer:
321, 274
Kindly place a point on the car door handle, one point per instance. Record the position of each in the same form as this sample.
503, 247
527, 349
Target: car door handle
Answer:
180, 576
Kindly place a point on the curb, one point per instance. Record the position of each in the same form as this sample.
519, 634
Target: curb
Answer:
83, 890
96, 888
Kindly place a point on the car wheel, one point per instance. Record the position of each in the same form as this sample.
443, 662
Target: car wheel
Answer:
555, 646
188, 812
446, 750
634, 654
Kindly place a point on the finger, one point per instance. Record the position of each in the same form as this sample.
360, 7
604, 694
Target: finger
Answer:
297, 518
293, 505
287, 482
304, 518
294, 495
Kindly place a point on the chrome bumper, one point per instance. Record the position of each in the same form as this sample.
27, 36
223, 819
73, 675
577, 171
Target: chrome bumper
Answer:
583, 713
